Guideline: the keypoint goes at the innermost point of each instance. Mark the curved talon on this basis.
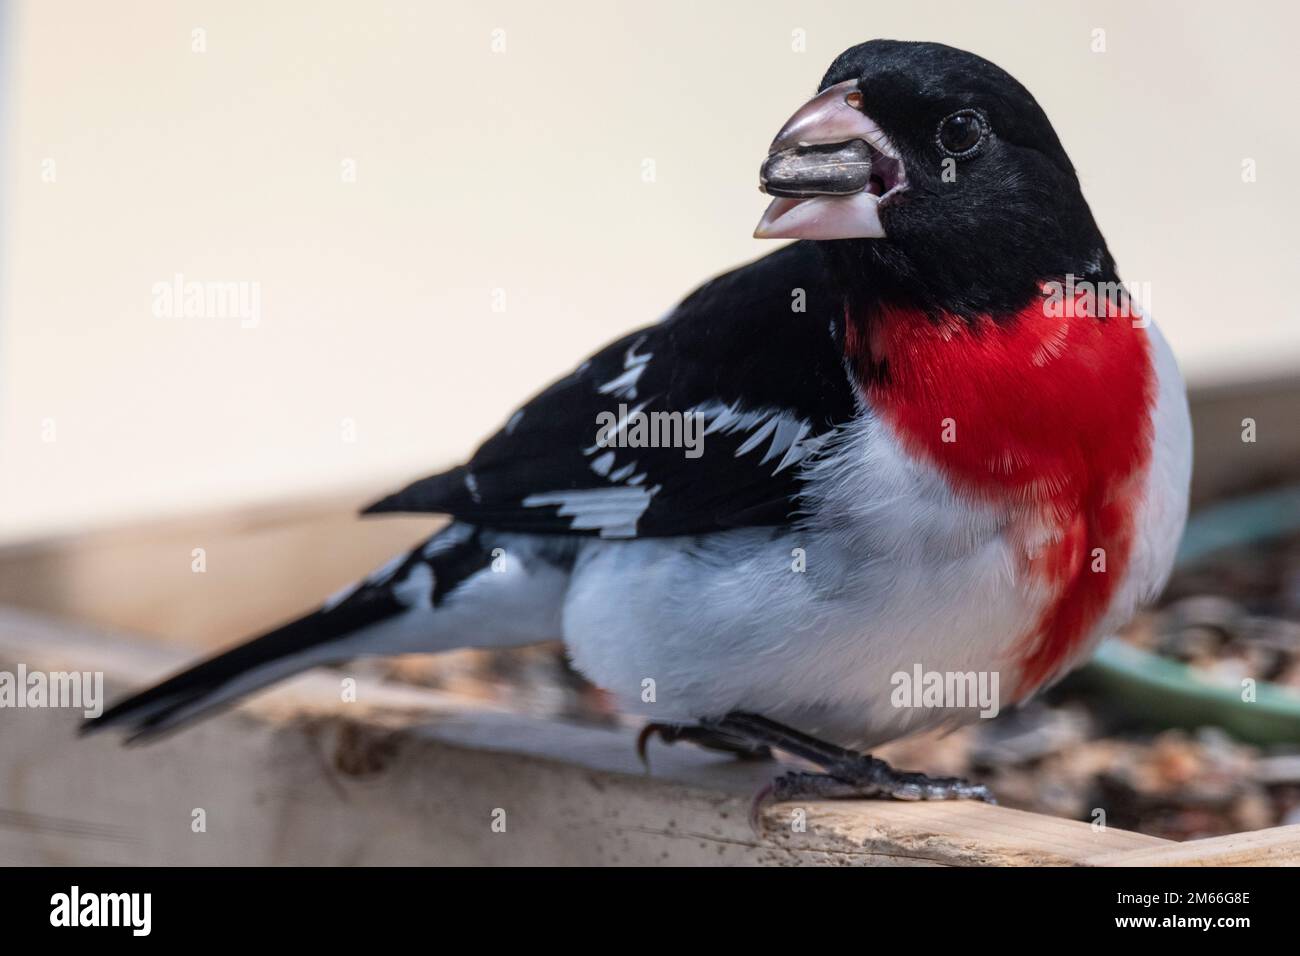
(643, 739)
(798, 785)
(758, 805)
(667, 734)
(704, 736)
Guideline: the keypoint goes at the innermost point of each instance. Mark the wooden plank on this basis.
(406, 776)
(1276, 846)
(1224, 464)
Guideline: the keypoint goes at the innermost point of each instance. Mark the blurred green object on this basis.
(1168, 693)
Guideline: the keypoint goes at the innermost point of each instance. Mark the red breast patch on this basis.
(1047, 410)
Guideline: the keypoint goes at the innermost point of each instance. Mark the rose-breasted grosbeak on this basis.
(935, 434)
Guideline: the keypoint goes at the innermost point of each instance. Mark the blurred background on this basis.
(427, 211)
(444, 205)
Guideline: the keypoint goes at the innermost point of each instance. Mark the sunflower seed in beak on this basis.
(827, 169)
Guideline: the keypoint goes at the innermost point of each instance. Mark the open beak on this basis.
(829, 169)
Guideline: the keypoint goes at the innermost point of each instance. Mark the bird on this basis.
(935, 434)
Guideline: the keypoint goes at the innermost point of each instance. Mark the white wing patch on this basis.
(613, 511)
(456, 534)
(471, 485)
(783, 439)
(788, 433)
(624, 385)
(416, 589)
(623, 472)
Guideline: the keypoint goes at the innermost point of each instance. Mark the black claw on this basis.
(665, 732)
(797, 785)
(703, 736)
(758, 805)
(642, 739)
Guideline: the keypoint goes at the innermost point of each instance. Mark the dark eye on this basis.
(962, 133)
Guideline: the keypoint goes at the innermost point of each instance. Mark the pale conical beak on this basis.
(829, 169)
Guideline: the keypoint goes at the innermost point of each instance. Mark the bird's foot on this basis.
(701, 736)
(848, 774)
(863, 778)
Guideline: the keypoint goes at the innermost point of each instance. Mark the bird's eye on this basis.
(962, 133)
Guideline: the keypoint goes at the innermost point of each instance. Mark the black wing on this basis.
(736, 365)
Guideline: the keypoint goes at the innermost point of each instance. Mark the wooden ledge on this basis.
(408, 776)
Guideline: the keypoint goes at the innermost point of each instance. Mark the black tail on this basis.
(222, 679)
(318, 638)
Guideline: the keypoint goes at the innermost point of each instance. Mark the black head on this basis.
(972, 201)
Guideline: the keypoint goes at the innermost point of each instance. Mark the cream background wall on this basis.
(378, 353)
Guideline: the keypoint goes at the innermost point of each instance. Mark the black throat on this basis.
(995, 280)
